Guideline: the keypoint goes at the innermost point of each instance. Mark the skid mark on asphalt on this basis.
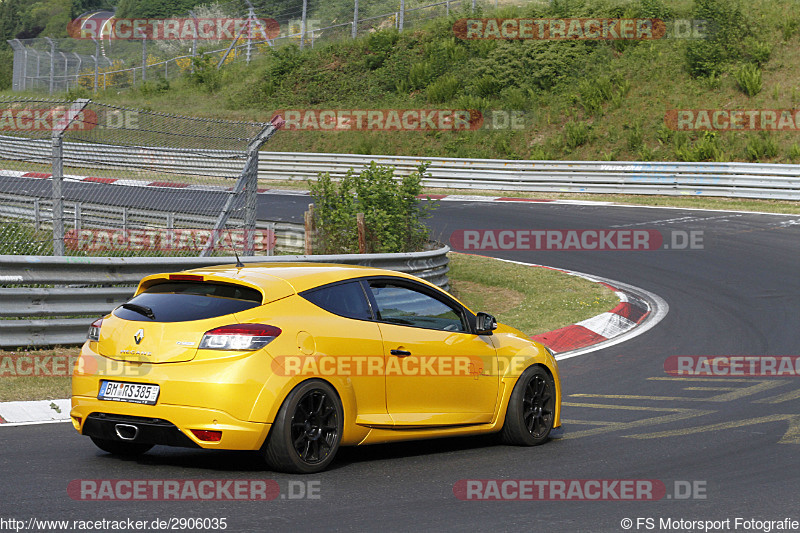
(712, 390)
(678, 220)
(792, 435)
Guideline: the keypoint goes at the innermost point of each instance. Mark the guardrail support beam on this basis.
(248, 180)
(58, 173)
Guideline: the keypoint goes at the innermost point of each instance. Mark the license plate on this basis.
(129, 392)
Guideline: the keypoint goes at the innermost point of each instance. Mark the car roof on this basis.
(300, 275)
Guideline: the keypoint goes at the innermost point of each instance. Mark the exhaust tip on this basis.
(126, 431)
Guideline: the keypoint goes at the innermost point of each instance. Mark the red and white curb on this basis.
(637, 311)
(37, 412)
(629, 313)
(291, 192)
(140, 183)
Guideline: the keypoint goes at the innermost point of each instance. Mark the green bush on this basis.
(748, 77)
(443, 90)
(706, 148)
(393, 215)
(728, 29)
(760, 147)
(759, 52)
(794, 152)
(576, 134)
(205, 74)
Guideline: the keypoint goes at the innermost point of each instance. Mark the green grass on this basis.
(534, 300)
(582, 100)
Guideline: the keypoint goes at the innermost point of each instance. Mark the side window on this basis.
(343, 299)
(405, 306)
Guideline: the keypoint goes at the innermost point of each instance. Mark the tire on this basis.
(122, 448)
(307, 431)
(531, 409)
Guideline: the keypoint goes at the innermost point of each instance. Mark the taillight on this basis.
(94, 330)
(207, 435)
(242, 337)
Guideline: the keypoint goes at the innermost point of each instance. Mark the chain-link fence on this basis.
(84, 178)
(101, 61)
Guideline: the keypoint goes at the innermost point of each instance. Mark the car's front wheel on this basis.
(126, 449)
(306, 433)
(531, 409)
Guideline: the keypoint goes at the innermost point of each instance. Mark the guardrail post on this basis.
(37, 221)
(77, 217)
(248, 177)
(58, 173)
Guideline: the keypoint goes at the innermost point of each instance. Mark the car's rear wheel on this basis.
(531, 409)
(116, 447)
(306, 433)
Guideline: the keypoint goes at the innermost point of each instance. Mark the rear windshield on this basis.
(181, 301)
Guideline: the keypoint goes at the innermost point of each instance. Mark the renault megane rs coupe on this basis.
(298, 359)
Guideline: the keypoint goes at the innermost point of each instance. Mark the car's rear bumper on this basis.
(169, 425)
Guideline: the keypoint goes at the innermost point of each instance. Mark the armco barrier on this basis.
(736, 180)
(40, 293)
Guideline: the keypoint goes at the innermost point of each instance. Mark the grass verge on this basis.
(534, 300)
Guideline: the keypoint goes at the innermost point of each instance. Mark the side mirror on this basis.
(485, 324)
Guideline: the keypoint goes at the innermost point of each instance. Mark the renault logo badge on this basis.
(139, 336)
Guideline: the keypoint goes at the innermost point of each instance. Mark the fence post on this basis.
(362, 233)
(52, 62)
(402, 14)
(355, 19)
(250, 202)
(249, 173)
(96, 61)
(144, 59)
(473, 5)
(58, 173)
(303, 24)
(194, 43)
(308, 230)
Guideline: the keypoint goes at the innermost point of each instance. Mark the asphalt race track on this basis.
(735, 441)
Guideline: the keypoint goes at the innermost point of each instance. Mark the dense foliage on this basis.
(393, 215)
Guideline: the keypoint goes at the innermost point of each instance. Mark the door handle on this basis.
(401, 353)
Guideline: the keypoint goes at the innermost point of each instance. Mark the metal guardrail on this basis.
(289, 237)
(736, 180)
(39, 294)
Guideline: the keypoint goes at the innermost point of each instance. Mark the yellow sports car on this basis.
(297, 359)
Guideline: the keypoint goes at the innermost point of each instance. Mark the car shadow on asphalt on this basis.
(251, 461)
